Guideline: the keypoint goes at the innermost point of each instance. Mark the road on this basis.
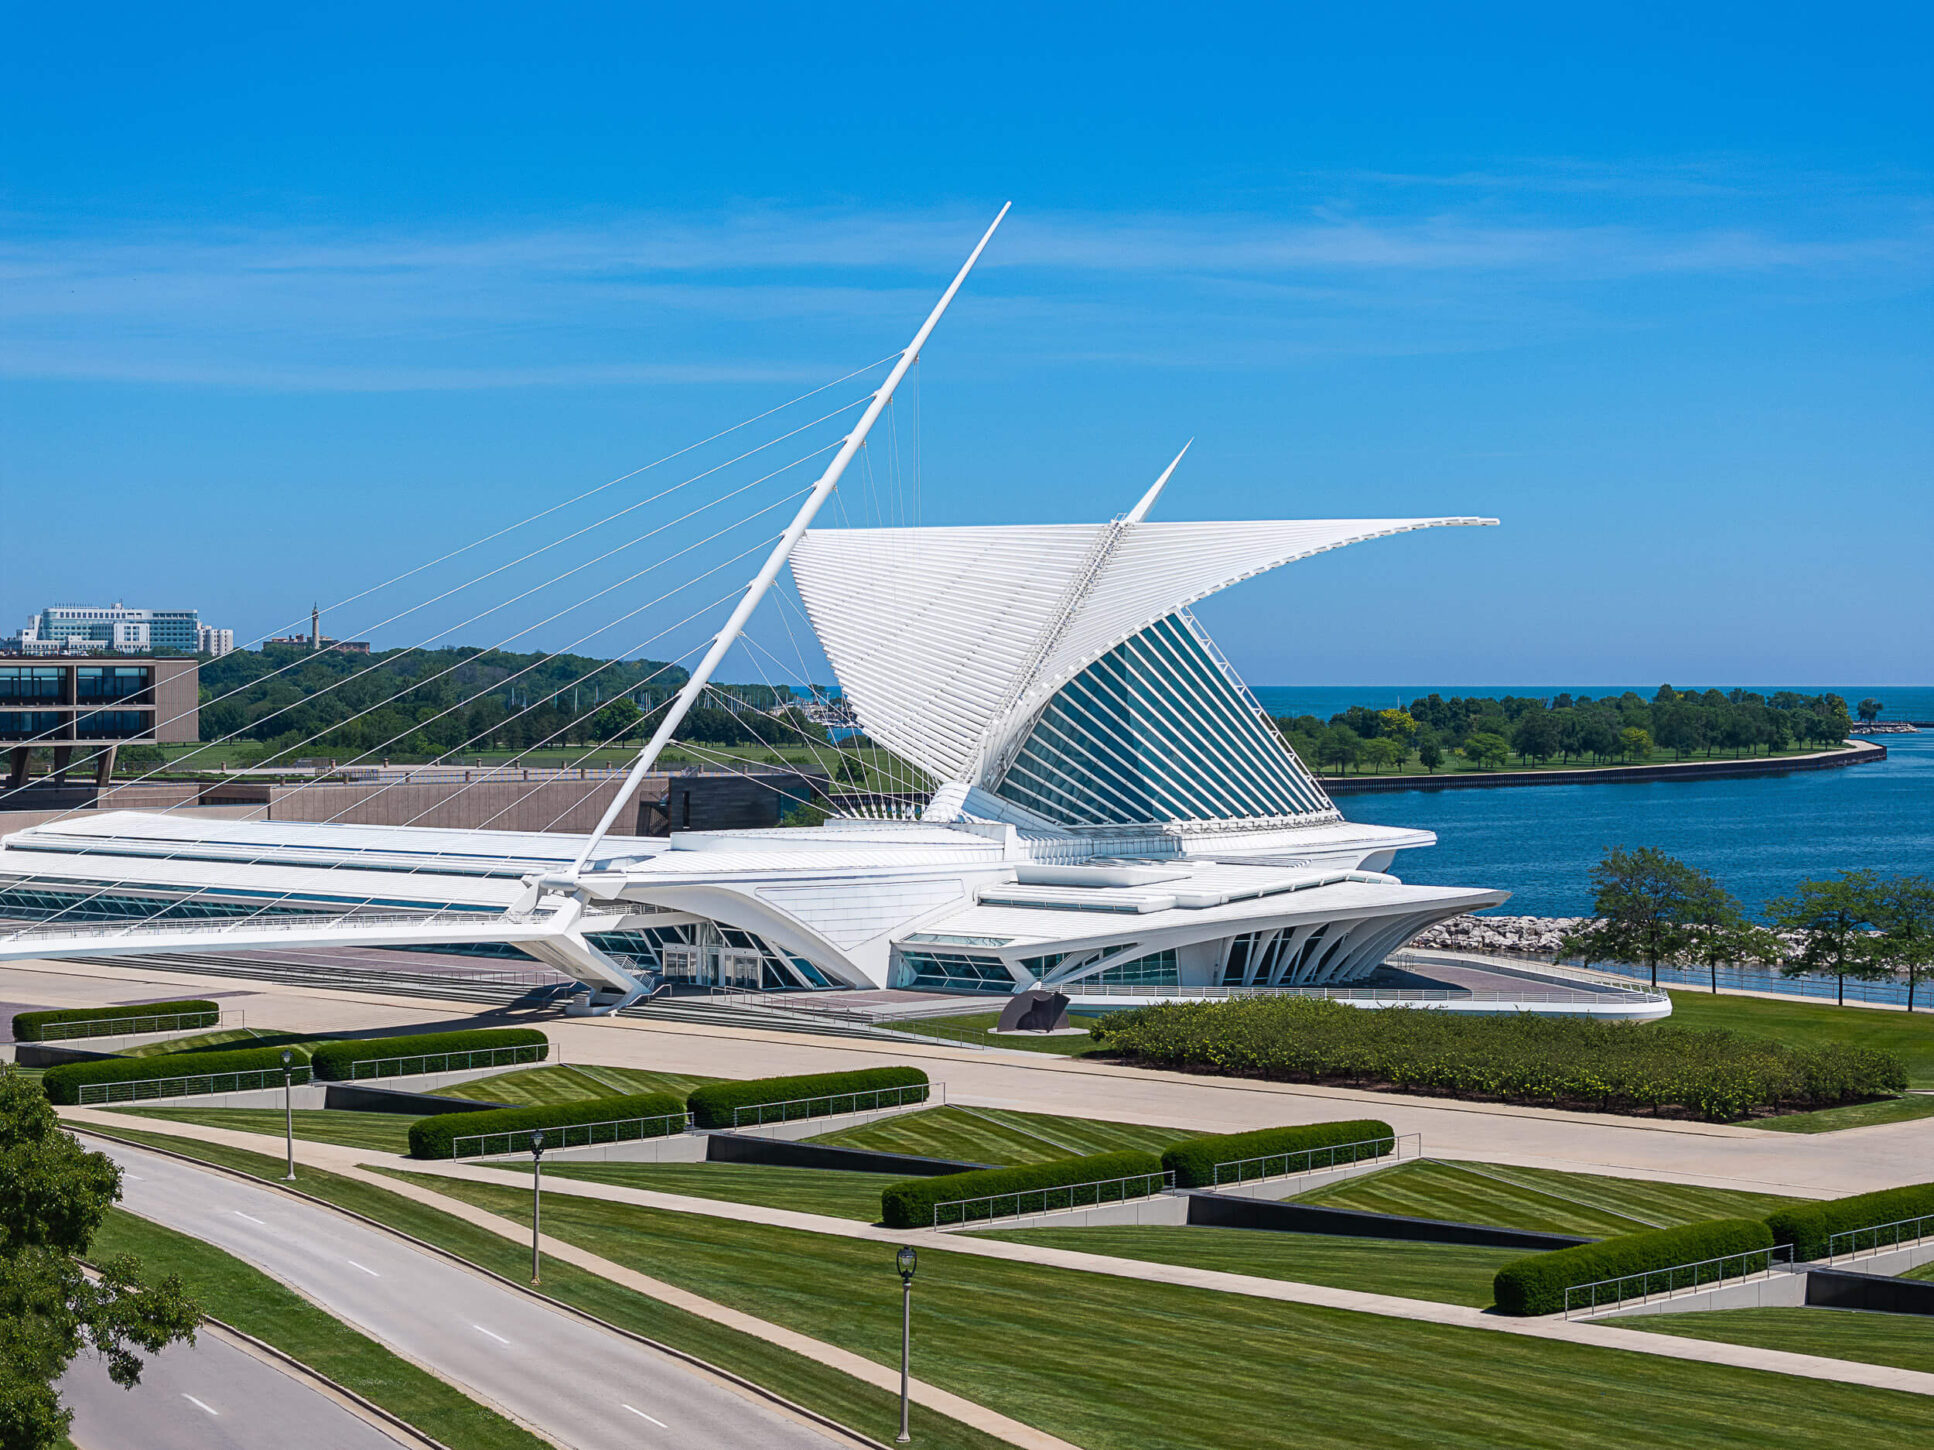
(582, 1386)
(214, 1396)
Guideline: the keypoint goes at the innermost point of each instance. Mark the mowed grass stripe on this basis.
(1447, 1273)
(1123, 1364)
(1000, 1135)
(1903, 1340)
(384, 1132)
(562, 1083)
(830, 1191)
(1809, 1024)
(1543, 1200)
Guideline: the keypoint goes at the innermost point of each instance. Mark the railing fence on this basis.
(570, 1135)
(866, 1101)
(1317, 1160)
(1027, 1202)
(1680, 1279)
(149, 1089)
(1864, 1242)
(135, 1026)
(446, 1061)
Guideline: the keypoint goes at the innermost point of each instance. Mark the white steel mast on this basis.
(756, 590)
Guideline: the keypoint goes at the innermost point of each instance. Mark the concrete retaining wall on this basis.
(1779, 1290)
(1839, 1289)
(1220, 1210)
(781, 1153)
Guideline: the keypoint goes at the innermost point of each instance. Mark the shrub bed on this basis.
(1547, 1061)
(435, 1137)
(1194, 1161)
(715, 1104)
(1810, 1226)
(337, 1060)
(62, 1084)
(1537, 1284)
(33, 1026)
(911, 1204)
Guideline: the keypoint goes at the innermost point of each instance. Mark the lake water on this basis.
(1760, 835)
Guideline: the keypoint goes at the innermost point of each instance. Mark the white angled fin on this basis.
(1140, 511)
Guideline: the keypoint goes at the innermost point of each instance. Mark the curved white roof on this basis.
(943, 637)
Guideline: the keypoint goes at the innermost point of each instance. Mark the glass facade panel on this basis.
(29, 724)
(1152, 731)
(111, 724)
(110, 683)
(1157, 969)
(29, 684)
(951, 972)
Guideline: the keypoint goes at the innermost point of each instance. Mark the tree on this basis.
(616, 721)
(1535, 736)
(1381, 752)
(1870, 709)
(1720, 935)
(1396, 726)
(1430, 751)
(1832, 919)
(1635, 743)
(1339, 746)
(1645, 901)
(1487, 750)
(1902, 911)
(55, 1196)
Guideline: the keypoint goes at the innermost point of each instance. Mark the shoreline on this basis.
(1855, 752)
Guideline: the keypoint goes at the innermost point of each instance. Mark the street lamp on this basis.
(906, 1260)
(288, 1110)
(537, 1180)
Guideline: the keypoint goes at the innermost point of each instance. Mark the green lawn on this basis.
(830, 1191)
(558, 1083)
(385, 1132)
(1112, 1363)
(1806, 1024)
(219, 1037)
(231, 1291)
(1538, 1199)
(1857, 1115)
(876, 1412)
(1925, 1271)
(999, 1135)
(1903, 1340)
(1449, 1273)
(972, 1028)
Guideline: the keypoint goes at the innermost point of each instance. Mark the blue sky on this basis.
(293, 302)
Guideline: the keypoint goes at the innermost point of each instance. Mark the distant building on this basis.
(68, 629)
(316, 640)
(59, 704)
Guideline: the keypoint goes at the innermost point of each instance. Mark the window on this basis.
(951, 972)
(1157, 969)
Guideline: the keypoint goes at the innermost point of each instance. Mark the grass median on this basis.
(831, 1191)
(1905, 1341)
(562, 1083)
(385, 1132)
(1909, 1035)
(1000, 1136)
(1114, 1363)
(830, 1392)
(231, 1291)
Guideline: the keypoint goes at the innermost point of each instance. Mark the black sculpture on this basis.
(1035, 1010)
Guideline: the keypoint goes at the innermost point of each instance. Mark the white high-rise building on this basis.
(116, 628)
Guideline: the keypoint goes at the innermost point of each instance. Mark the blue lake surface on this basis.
(1760, 835)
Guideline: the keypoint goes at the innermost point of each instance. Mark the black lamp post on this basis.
(288, 1110)
(537, 1182)
(906, 1260)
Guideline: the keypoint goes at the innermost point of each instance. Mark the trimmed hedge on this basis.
(713, 1105)
(1536, 1285)
(32, 1026)
(1194, 1160)
(434, 1137)
(1567, 1062)
(911, 1204)
(1810, 1226)
(62, 1084)
(335, 1060)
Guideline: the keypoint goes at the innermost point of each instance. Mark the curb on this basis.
(737, 1381)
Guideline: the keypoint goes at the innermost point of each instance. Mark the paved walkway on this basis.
(1599, 1335)
(1799, 1165)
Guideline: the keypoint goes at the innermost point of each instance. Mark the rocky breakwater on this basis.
(1518, 936)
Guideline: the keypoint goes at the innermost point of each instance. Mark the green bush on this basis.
(1537, 1284)
(911, 1204)
(714, 1105)
(1810, 1226)
(336, 1060)
(1549, 1061)
(32, 1026)
(435, 1137)
(62, 1084)
(1194, 1160)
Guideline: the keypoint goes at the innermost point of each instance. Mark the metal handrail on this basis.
(130, 1026)
(571, 1135)
(900, 1097)
(144, 1089)
(216, 926)
(1147, 1185)
(1607, 1294)
(1923, 1230)
(493, 1057)
(1389, 1148)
